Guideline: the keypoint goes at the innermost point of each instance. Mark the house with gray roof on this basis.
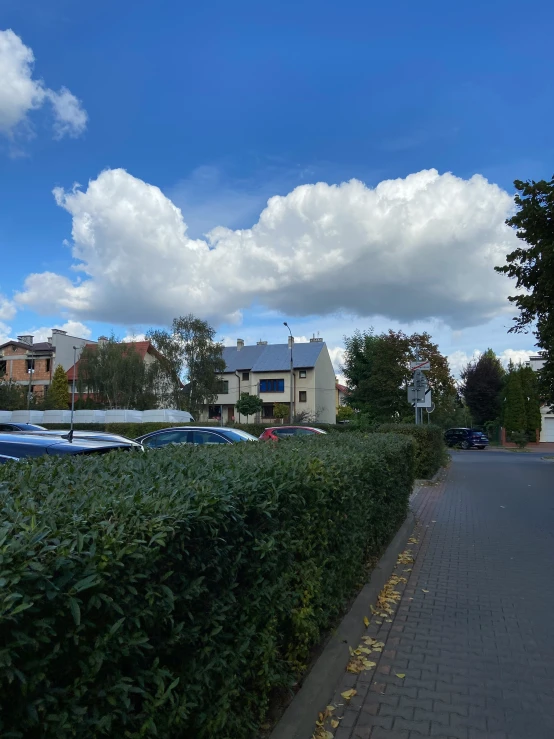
(265, 370)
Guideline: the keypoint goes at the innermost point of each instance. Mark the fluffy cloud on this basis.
(73, 328)
(7, 309)
(459, 359)
(409, 249)
(20, 93)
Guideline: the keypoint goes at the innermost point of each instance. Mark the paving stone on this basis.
(476, 650)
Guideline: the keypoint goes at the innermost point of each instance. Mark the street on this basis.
(469, 652)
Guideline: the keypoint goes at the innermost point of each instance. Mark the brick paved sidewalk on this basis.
(459, 660)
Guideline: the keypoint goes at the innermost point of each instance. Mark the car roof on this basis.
(100, 435)
(276, 428)
(34, 441)
(185, 428)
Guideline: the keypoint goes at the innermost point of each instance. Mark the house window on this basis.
(267, 411)
(215, 411)
(224, 387)
(3, 367)
(246, 376)
(272, 386)
(48, 365)
(30, 365)
(302, 374)
(302, 396)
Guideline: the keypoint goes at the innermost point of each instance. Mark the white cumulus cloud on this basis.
(21, 93)
(409, 249)
(458, 360)
(73, 328)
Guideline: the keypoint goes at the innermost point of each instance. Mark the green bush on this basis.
(430, 449)
(169, 593)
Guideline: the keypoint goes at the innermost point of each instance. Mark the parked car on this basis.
(466, 438)
(4, 458)
(101, 435)
(287, 432)
(6, 428)
(19, 446)
(194, 435)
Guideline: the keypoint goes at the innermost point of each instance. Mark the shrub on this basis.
(430, 452)
(168, 593)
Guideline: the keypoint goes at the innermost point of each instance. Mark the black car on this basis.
(94, 435)
(20, 446)
(466, 438)
(194, 435)
(7, 428)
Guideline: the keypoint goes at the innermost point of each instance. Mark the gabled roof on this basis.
(342, 388)
(41, 346)
(271, 357)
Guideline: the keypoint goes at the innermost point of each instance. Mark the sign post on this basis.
(419, 393)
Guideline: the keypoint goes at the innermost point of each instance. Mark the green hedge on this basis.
(169, 593)
(430, 453)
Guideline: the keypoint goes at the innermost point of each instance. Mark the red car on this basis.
(288, 432)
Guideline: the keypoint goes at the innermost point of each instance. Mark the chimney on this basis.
(261, 343)
(26, 339)
(315, 340)
(291, 341)
(240, 344)
(102, 340)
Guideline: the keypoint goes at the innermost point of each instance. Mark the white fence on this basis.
(165, 415)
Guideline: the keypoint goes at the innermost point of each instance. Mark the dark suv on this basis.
(466, 438)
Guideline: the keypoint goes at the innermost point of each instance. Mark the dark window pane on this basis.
(207, 437)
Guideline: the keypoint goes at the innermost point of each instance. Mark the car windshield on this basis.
(236, 435)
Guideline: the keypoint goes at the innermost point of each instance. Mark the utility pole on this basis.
(73, 390)
(291, 373)
(31, 359)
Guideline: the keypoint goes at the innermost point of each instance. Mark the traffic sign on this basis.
(426, 401)
(420, 364)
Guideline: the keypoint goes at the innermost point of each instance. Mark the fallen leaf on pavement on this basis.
(366, 621)
(334, 723)
(424, 591)
(349, 694)
(401, 675)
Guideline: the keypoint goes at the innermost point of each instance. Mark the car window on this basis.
(237, 435)
(168, 437)
(304, 432)
(5, 428)
(284, 433)
(208, 437)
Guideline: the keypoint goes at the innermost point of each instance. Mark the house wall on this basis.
(325, 387)
(16, 368)
(63, 345)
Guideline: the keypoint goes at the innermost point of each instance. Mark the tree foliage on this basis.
(531, 398)
(190, 352)
(12, 396)
(513, 412)
(116, 375)
(281, 410)
(345, 413)
(249, 405)
(57, 397)
(482, 383)
(532, 266)
(377, 370)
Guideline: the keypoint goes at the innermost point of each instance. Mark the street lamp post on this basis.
(291, 373)
(73, 389)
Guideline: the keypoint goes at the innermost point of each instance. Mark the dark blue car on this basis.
(466, 438)
(21, 446)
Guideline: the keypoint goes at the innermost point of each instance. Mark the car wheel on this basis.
(464, 445)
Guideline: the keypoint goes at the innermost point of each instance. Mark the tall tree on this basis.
(57, 397)
(377, 369)
(482, 382)
(531, 398)
(513, 411)
(532, 266)
(116, 374)
(191, 353)
(13, 397)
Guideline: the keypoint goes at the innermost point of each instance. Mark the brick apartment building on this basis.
(33, 364)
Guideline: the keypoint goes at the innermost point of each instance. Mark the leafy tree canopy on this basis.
(249, 405)
(532, 267)
(482, 383)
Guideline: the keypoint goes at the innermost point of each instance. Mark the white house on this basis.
(536, 363)
(264, 370)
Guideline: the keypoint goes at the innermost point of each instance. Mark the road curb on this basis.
(299, 719)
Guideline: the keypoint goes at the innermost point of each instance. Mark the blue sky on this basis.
(222, 106)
